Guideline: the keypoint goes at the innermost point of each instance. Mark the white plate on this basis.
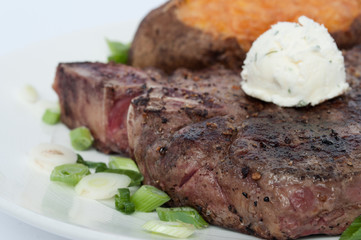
(29, 195)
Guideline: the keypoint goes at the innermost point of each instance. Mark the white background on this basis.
(24, 22)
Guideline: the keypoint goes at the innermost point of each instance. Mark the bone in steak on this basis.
(277, 173)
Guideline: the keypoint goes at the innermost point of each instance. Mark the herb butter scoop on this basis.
(294, 64)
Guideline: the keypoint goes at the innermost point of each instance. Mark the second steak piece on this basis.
(97, 96)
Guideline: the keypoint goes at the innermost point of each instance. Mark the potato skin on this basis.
(349, 38)
(165, 42)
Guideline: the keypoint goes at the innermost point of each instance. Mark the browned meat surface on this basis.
(259, 169)
(277, 173)
(97, 96)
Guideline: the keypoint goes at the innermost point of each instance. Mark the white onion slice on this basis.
(46, 156)
(173, 229)
(101, 185)
(29, 94)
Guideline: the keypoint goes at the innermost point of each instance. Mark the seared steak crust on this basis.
(260, 169)
(277, 173)
(97, 96)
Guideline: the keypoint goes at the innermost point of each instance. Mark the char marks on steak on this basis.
(244, 164)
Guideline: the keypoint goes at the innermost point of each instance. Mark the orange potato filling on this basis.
(247, 19)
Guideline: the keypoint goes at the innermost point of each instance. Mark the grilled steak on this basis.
(277, 173)
(97, 96)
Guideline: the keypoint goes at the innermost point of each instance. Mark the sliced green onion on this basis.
(81, 138)
(29, 94)
(101, 185)
(124, 194)
(173, 229)
(133, 189)
(123, 163)
(90, 164)
(183, 214)
(353, 232)
(136, 177)
(119, 51)
(122, 201)
(127, 207)
(51, 116)
(47, 156)
(148, 198)
(101, 169)
(70, 174)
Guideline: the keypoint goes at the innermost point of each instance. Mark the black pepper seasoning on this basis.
(245, 171)
(163, 150)
(164, 120)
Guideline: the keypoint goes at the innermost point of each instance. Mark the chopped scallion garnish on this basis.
(122, 201)
(101, 185)
(122, 163)
(136, 177)
(29, 94)
(353, 232)
(70, 174)
(47, 156)
(90, 164)
(51, 116)
(183, 214)
(81, 138)
(124, 194)
(147, 198)
(119, 51)
(173, 229)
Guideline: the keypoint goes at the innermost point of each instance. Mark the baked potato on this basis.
(198, 33)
